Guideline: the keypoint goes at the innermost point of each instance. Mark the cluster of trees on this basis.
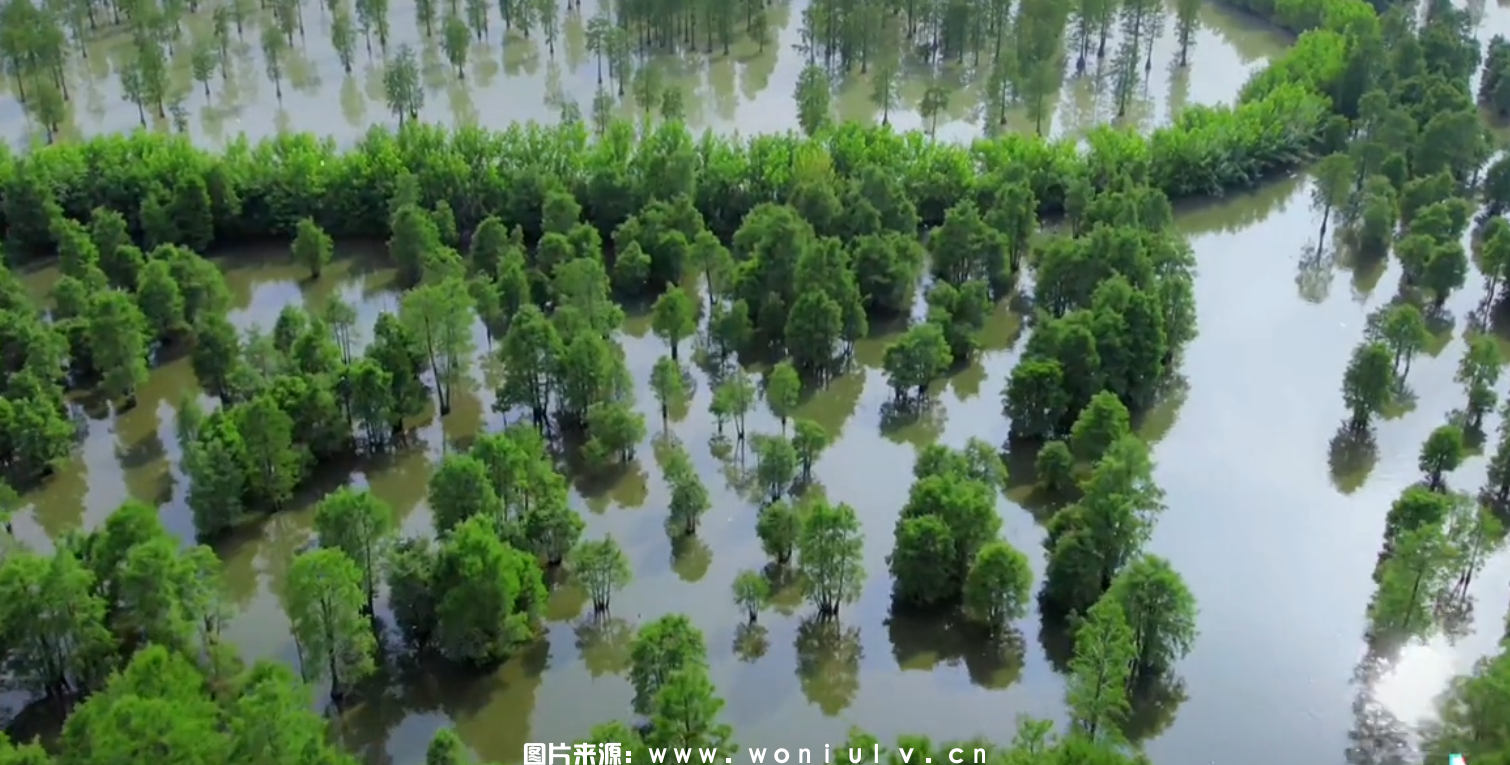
(1115, 304)
(1405, 183)
(948, 548)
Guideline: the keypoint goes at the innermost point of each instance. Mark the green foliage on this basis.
(663, 649)
(601, 567)
(488, 595)
(830, 550)
(997, 585)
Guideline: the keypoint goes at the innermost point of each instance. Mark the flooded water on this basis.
(1275, 542)
(517, 79)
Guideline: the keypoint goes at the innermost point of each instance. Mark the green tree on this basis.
(216, 464)
(917, 577)
(274, 51)
(783, 390)
(830, 555)
(363, 527)
(775, 465)
(997, 586)
(439, 316)
(1368, 383)
(1441, 454)
(461, 489)
(489, 595)
(779, 527)
(1104, 422)
(661, 650)
(751, 593)
(812, 97)
(674, 317)
(1055, 465)
(1160, 611)
(668, 384)
(689, 501)
(810, 440)
(601, 568)
(402, 88)
(1403, 329)
(312, 247)
(686, 713)
(1097, 688)
(343, 38)
(915, 360)
(117, 334)
(732, 400)
(1478, 373)
(325, 601)
(275, 465)
(455, 40)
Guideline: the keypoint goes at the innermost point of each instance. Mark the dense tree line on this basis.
(1405, 184)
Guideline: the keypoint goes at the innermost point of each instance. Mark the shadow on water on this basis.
(926, 641)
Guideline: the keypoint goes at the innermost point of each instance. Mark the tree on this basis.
(1097, 688)
(1160, 611)
(325, 607)
(674, 317)
(275, 465)
(751, 593)
(830, 555)
(783, 389)
(812, 97)
(686, 713)
(809, 440)
(917, 577)
(402, 87)
(274, 48)
(203, 61)
(998, 585)
(689, 500)
(489, 595)
(779, 527)
(363, 527)
(440, 318)
(455, 40)
(1055, 465)
(312, 247)
(461, 489)
(1368, 383)
(1478, 373)
(935, 102)
(1102, 423)
(915, 360)
(661, 650)
(1441, 454)
(668, 384)
(117, 334)
(1332, 186)
(160, 299)
(1411, 583)
(602, 568)
(733, 399)
(216, 464)
(1403, 329)
(775, 465)
(343, 38)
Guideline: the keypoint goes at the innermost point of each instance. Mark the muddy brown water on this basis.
(1275, 543)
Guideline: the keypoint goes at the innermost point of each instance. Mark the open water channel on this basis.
(1276, 544)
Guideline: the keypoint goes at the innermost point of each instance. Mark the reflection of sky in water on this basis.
(1409, 689)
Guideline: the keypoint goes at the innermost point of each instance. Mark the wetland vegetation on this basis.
(482, 436)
